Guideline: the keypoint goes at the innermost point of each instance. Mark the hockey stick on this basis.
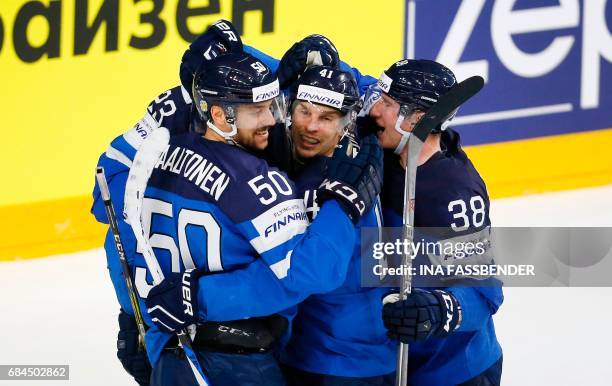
(125, 268)
(436, 115)
(142, 167)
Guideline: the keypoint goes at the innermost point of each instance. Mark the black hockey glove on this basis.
(366, 126)
(354, 182)
(295, 60)
(423, 315)
(134, 360)
(220, 38)
(172, 304)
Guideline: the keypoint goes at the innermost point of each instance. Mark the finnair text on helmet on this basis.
(266, 92)
(319, 99)
(320, 95)
(384, 82)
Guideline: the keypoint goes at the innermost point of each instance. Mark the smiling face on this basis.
(315, 129)
(253, 122)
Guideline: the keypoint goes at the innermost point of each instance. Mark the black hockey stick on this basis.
(439, 113)
(125, 268)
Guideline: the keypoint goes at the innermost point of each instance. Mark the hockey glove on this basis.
(370, 98)
(366, 126)
(423, 315)
(296, 59)
(134, 360)
(354, 182)
(220, 38)
(172, 304)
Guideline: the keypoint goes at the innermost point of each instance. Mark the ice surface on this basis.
(62, 309)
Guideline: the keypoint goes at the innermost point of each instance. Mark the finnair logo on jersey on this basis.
(286, 220)
(384, 82)
(266, 92)
(320, 95)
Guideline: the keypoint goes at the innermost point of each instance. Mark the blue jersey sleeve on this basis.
(170, 109)
(478, 304)
(267, 59)
(317, 263)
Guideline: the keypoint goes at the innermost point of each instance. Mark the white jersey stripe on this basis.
(118, 156)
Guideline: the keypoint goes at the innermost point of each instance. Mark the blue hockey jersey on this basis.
(341, 332)
(450, 195)
(337, 330)
(173, 110)
(217, 207)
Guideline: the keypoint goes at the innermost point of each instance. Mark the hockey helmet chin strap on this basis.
(384, 84)
(231, 120)
(404, 111)
(228, 136)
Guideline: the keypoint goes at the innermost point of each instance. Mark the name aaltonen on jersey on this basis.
(198, 170)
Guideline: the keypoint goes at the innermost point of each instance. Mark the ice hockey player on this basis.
(450, 330)
(338, 336)
(175, 110)
(211, 185)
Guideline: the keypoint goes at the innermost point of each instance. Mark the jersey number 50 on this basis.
(186, 217)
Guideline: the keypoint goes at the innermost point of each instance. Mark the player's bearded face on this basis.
(253, 122)
(315, 129)
(385, 112)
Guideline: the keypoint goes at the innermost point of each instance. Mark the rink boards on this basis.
(542, 123)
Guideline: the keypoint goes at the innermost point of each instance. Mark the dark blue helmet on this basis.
(233, 78)
(328, 86)
(417, 83)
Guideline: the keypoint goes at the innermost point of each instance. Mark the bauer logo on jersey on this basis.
(266, 92)
(384, 82)
(320, 95)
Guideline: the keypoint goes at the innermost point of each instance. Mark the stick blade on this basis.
(446, 105)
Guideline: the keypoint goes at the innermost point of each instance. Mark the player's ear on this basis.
(218, 116)
(411, 120)
(417, 115)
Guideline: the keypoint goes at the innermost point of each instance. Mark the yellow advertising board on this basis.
(77, 73)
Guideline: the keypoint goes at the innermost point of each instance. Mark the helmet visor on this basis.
(254, 116)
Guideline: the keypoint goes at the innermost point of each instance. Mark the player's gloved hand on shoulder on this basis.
(423, 315)
(353, 181)
(371, 96)
(301, 55)
(220, 38)
(133, 358)
(173, 303)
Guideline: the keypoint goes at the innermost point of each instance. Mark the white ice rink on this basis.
(62, 310)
